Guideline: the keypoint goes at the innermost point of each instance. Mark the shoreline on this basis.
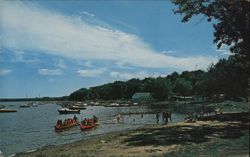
(160, 140)
(85, 140)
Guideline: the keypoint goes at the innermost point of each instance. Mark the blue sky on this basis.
(51, 48)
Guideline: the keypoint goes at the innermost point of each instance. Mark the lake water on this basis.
(31, 128)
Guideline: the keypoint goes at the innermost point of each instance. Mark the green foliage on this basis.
(133, 86)
(230, 20)
(161, 88)
(183, 87)
(83, 94)
(226, 77)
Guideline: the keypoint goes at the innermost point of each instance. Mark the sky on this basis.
(52, 48)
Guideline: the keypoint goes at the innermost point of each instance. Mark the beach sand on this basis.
(202, 138)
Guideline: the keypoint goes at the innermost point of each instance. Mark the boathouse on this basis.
(142, 97)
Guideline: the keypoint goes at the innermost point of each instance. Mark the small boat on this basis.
(2, 106)
(113, 105)
(34, 105)
(85, 127)
(89, 123)
(7, 110)
(68, 123)
(77, 108)
(24, 106)
(68, 111)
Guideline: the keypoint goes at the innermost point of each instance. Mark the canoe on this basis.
(85, 127)
(7, 110)
(63, 127)
(68, 111)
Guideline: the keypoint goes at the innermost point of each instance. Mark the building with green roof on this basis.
(142, 97)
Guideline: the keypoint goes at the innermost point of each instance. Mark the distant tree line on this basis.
(226, 77)
(63, 98)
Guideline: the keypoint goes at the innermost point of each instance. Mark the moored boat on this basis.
(7, 110)
(68, 111)
(113, 105)
(68, 123)
(2, 106)
(77, 108)
(24, 106)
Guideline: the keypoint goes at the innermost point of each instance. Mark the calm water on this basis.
(31, 128)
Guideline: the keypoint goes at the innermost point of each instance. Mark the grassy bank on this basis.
(203, 138)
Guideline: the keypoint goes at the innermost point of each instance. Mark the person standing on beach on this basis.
(170, 116)
(163, 117)
(157, 117)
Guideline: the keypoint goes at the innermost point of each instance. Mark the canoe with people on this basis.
(67, 123)
(89, 123)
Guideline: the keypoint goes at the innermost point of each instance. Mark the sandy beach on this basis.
(224, 136)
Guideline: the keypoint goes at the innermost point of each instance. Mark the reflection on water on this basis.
(33, 127)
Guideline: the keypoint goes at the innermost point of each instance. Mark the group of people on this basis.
(166, 117)
(86, 121)
(90, 121)
(191, 117)
(67, 121)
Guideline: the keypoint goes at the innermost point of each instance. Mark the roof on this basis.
(146, 94)
(182, 97)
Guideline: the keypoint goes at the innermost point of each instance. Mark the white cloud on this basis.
(127, 75)
(90, 72)
(60, 64)
(51, 80)
(86, 13)
(26, 27)
(4, 72)
(19, 57)
(168, 52)
(223, 50)
(49, 72)
(87, 64)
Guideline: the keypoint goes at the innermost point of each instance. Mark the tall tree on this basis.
(161, 89)
(133, 86)
(230, 20)
(183, 87)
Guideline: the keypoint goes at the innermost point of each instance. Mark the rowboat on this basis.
(89, 123)
(77, 108)
(7, 110)
(29, 104)
(68, 111)
(85, 127)
(68, 123)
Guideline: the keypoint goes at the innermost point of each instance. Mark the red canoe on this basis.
(85, 127)
(60, 127)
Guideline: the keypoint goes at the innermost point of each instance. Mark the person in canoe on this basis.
(59, 122)
(75, 118)
(67, 123)
(95, 119)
